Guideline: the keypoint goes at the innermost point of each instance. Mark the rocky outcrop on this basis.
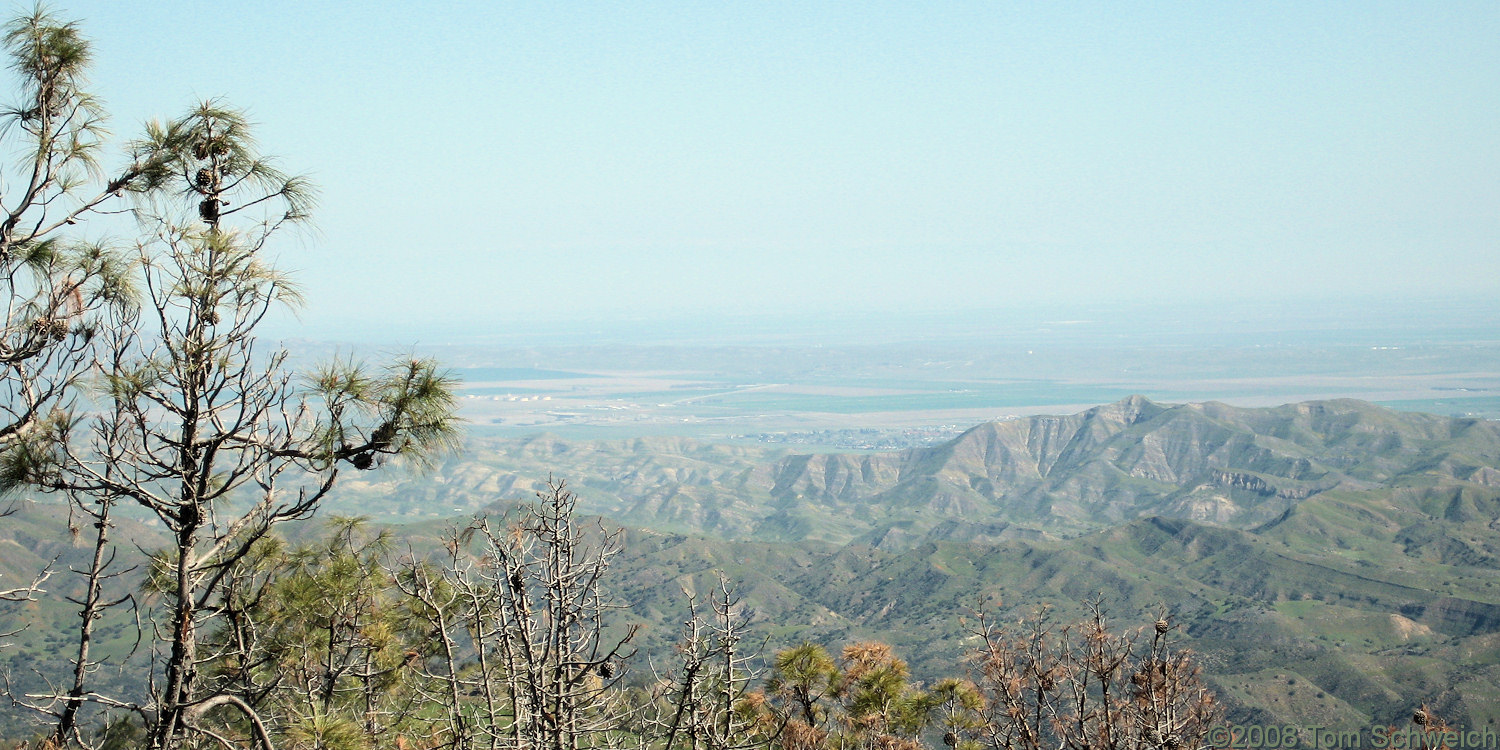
(1239, 481)
(1252, 483)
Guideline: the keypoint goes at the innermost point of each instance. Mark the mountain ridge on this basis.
(1052, 476)
(1334, 562)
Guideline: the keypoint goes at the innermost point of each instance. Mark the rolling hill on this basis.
(1037, 477)
(1334, 562)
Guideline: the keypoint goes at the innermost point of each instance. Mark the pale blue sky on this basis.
(486, 164)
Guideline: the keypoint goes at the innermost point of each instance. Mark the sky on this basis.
(490, 165)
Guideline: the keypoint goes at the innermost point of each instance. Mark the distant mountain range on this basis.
(1052, 477)
(1335, 562)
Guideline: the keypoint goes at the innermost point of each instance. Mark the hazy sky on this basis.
(492, 163)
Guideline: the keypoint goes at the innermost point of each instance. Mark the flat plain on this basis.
(943, 372)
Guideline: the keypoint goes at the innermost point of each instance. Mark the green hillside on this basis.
(1024, 478)
(1334, 562)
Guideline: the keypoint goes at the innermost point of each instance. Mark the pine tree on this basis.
(202, 426)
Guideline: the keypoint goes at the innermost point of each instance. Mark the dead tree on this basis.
(704, 702)
(96, 602)
(94, 509)
(528, 593)
(24, 593)
(29, 590)
(436, 612)
(1083, 687)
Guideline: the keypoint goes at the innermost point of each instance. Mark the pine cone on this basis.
(383, 435)
(51, 328)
